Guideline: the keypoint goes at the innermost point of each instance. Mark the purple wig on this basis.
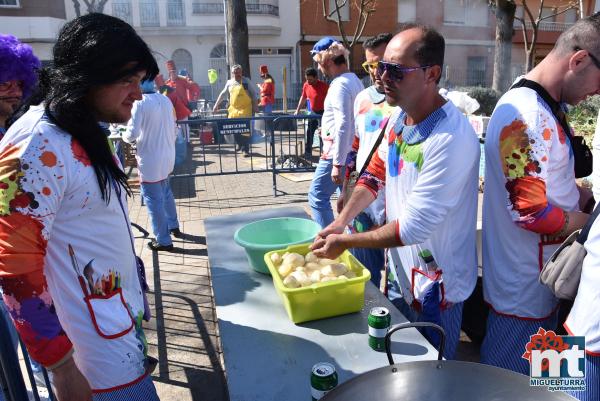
(18, 62)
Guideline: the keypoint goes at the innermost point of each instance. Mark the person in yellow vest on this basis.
(242, 103)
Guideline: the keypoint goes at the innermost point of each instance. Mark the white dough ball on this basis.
(276, 259)
(315, 276)
(291, 282)
(294, 259)
(285, 269)
(310, 257)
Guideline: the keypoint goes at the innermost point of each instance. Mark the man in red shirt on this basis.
(267, 90)
(186, 90)
(315, 91)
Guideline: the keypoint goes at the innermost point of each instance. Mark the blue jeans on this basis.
(319, 194)
(268, 108)
(158, 197)
(373, 260)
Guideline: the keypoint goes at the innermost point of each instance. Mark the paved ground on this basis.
(183, 333)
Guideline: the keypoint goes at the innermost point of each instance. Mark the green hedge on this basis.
(583, 117)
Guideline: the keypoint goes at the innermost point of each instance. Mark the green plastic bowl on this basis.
(263, 236)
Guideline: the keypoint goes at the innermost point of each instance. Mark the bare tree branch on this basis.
(77, 8)
(571, 7)
(364, 7)
(541, 9)
(367, 7)
(338, 6)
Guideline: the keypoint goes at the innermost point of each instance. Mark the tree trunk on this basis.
(505, 15)
(530, 53)
(237, 35)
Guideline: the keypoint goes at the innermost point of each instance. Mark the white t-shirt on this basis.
(152, 127)
(338, 117)
(596, 154)
(584, 318)
(65, 210)
(529, 177)
(371, 111)
(431, 189)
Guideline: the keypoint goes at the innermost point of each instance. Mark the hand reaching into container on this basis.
(329, 247)
(326, 244)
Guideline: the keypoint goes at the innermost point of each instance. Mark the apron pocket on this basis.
(109, 314)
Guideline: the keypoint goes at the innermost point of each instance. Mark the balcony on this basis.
(122, 10)
(261, 8)
(175, 13)
(149, 13)
(546, 26)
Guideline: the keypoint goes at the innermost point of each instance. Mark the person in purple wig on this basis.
(18, 76)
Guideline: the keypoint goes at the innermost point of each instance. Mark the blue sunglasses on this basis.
(396, 71)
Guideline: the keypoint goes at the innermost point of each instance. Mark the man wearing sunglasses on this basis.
(336, 126)
(18, 76)
(531, 200)
(428, 163)
(371, 111)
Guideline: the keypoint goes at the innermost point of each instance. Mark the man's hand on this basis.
(333, 228)
(69, 384)
(330, 247)
(336, 175)
(585, 199)
(340, 203)
(296, 112)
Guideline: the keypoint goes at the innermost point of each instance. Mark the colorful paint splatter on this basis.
(523, 160)
(49, 199)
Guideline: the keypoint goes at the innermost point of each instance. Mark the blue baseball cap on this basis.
(147, 86)
(323, 44)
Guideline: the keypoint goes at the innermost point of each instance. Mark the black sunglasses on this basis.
(594, 59)
(396, 71)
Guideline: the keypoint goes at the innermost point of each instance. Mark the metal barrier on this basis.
(12, 383)
(275, 143)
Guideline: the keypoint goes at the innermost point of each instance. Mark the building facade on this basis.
(282, 32)
(467, 25)
(192, 33)
(34, 22)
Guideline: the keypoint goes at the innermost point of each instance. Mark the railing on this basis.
(12, 383)
(453, 77)
(271, 143)
(175, 13)
(251, 8)
(122, 10)
(149, 13)
(546, 26)
(269, 9)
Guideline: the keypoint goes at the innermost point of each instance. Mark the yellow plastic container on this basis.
(321, 300)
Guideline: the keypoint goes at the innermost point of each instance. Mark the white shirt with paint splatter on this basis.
(50, 204)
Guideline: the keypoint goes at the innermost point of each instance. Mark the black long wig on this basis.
(91, 51)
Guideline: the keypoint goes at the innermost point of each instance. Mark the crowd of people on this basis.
(411, 211)
(403, 158)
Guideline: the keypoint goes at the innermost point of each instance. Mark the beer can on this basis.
(323, 379)
(379, 324)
